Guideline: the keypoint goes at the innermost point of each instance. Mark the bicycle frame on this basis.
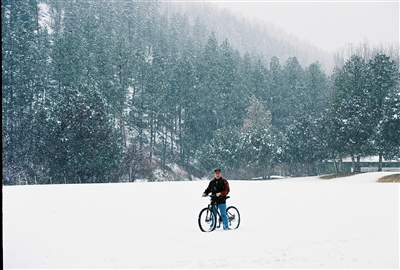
(213, 205)
(219, 217)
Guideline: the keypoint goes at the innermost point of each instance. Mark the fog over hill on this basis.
(255, 37)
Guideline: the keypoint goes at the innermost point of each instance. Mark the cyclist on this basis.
(219, 188)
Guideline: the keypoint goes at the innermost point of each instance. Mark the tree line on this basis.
(109, 91)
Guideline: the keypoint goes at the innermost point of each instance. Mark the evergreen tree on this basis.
(24, 52)
(259, 142)
(352, 115)
(383, 80)
(391, 124)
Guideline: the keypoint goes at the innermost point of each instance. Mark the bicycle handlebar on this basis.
(214, 196)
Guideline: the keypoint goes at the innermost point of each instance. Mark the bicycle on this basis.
(208, 220)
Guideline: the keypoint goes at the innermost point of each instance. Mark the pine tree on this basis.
(391, 124)
(352, 115)
(383, 81)
(259, 142)
(25, 52)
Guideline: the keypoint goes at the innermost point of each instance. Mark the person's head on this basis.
(217, 173)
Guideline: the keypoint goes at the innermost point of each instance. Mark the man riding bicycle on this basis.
(219, 188)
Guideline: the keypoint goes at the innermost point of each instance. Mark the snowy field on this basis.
(302, 222)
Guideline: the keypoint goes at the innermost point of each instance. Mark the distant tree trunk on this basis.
(172, 131)
(358, 165)
(353, 163)
(180, 135)
(269, 171)
(380, 162)
(151, 137)
(340, 164)
(310, 169)
(335, 163)
(141, 128)
(123, 131)
(164, 151)
(141, 113)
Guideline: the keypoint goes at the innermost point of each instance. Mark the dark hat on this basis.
(217, 169)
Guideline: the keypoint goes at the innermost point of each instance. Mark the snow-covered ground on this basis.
(303, 222)
(370, 177)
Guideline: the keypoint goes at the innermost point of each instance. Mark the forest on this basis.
(114, 91)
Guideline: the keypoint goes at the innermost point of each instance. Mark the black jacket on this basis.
(215, 186)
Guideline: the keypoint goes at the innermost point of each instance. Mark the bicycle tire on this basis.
(236, 216)
(203, 214)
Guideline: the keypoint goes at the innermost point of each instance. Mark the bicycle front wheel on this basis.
(233, 217)
(207, 220)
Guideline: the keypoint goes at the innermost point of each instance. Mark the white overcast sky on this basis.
(327, 24)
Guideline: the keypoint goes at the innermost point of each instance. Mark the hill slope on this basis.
(256, 37)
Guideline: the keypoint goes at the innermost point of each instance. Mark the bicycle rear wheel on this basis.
(233, 217)
(207, 220)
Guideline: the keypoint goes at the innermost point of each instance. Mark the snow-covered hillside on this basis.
(284, 224)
